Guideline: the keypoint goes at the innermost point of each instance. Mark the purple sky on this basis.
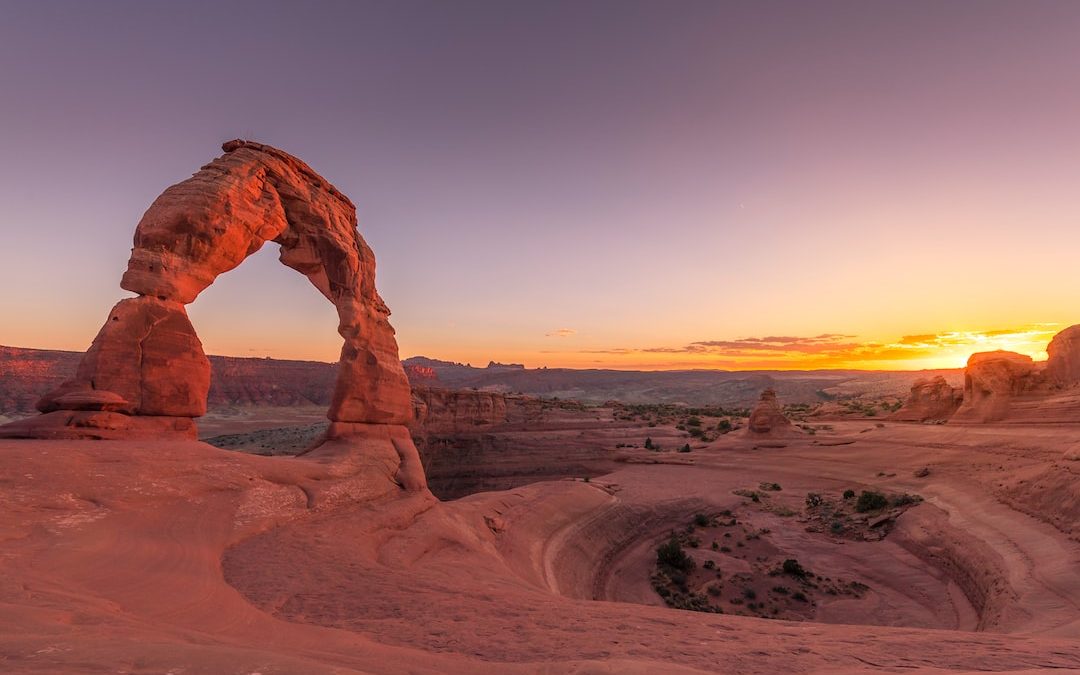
(568, 183)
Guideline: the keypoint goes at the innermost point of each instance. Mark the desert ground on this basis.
(132, 556)
(423, 529)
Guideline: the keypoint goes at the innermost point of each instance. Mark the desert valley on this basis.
(469, 521)
(727, 337)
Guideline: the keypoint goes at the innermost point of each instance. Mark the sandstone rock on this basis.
(448, 411)
(147, 355)
(766, 417)
(1063, 366)
(931, 400)
(991, 381)
(98, 425)
(147, 360)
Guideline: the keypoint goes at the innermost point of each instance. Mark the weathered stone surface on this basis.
(449, 411)
(991, 381)
(931, 400)
(1063, 366)
(100, 425)
(147, 361)
(147, 355)
(767, 417)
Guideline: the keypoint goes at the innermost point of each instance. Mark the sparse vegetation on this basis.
(871, 501)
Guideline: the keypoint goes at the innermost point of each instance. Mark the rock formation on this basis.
(766, 417)
(931, 400)
(991, 381)
(1063, 367)
(147, 365)
(449, 411)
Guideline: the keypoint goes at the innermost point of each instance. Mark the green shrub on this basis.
(871, 501)
(792, 567)
(671, 554)
(701, 520)
(849, 494)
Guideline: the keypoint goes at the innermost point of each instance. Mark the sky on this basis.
(669, 184)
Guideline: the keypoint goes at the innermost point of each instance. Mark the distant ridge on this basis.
(26, 374)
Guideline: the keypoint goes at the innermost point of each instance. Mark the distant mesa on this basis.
(931, 400)
(146, 375)
(417, 373)
(506, 366)
(767, 417)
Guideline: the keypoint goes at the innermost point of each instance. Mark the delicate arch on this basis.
(147, 359)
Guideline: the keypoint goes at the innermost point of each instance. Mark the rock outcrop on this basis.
(991, 381)
(767, 417)
(450, 411)
(931, 400)
(147, 364)
(1063, 366)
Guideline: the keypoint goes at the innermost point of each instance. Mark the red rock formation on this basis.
(448, 411)
(417, 373)
(1063, 367)
(147, 361)
(931, 400)
(767, 417)
(991, 382)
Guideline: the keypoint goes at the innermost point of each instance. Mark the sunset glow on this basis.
(750, 191)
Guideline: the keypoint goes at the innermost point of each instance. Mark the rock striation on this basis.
(931, 400)
(767, 417)
(147, 364)
(449, 411)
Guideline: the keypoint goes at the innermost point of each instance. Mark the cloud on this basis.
(838, 350)
(562, 333)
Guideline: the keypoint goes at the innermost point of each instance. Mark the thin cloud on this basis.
(839, 349)
(561, 333)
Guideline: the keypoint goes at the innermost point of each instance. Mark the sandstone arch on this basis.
(146, 372)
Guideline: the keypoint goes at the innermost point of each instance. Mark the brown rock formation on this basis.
(766, 417)
(931, 400)
(991, 382)
(147, 361)
(449, 411)
(1063, 367)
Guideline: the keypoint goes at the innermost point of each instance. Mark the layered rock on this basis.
(450, 411)
(147, 363)
(767, 417)
(931, 400)
(992, 381)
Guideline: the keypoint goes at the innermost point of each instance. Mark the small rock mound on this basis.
(767, 417)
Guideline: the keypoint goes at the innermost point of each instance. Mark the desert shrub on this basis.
(870, 501)
(749, 593)
(849, 494)
(724, 426)
(671, 554)
(813, 499)
(781, 590)
(800, 596)
(709, 565)
(685, 448)
(693, 422)
(648, 443)
(701, 520)
(905, 499)
(771, 487)
(836, 527)
(792, 567)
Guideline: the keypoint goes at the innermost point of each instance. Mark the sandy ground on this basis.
(181, 557)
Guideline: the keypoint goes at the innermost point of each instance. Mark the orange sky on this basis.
(729, 185)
